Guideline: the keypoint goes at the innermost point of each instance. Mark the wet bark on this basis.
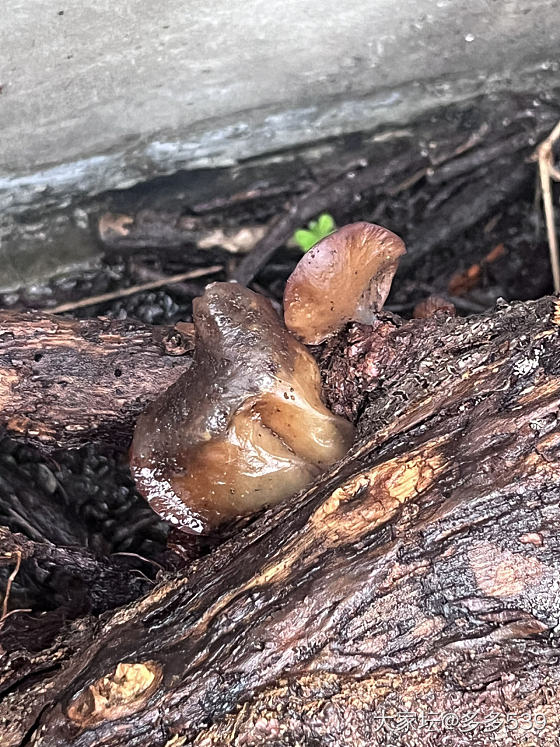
(79, 581)
(409, 597)
(65, 382)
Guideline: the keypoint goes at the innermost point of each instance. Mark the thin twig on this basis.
(552, 138)
(123, 292)
(146, 275)
(14, 612)
(140, 557)
(140, 574)
(550, 222)
(547, 171)
(473, 140)
(478, 157)
(410, 181)
(9, 583)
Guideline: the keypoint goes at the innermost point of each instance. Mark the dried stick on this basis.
(547, 171)
(123, 292)
(14, 612)
(146, 275)
(9, 583)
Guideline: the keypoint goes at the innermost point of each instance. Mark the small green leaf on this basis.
(316, 230)
(305, 239)
(325, 224)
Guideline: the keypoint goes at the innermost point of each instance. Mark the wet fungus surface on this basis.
(244, 427)
(345, 277)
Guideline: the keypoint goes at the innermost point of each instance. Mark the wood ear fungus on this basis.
(344, 277)
(244, 427)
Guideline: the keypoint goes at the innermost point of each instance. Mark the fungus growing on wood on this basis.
(345, 277)
(244, 427)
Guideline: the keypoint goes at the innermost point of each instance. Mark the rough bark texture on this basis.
(80, 582)
(411, 597)
(64, 382)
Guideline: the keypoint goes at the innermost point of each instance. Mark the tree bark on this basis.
(64, 382)
(80, 581)
(410, 597)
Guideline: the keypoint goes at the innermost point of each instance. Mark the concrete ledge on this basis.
(101, 97)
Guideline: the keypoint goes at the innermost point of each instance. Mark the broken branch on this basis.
(65, 382)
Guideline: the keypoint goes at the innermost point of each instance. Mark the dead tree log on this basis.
(81, 581)
(65, 382)
(409, 597)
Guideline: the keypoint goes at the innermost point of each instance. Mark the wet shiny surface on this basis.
(344, 277)
(245, 427)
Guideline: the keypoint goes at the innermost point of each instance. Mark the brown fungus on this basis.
(344, 277)
(244, 427)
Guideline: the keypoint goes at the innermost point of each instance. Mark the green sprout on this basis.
(316, 230)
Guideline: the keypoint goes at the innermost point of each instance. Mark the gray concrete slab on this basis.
(102, 95)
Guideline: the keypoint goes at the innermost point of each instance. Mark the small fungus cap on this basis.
(344, 277)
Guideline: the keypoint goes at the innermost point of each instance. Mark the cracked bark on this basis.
(419, 577)
(64, 382)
